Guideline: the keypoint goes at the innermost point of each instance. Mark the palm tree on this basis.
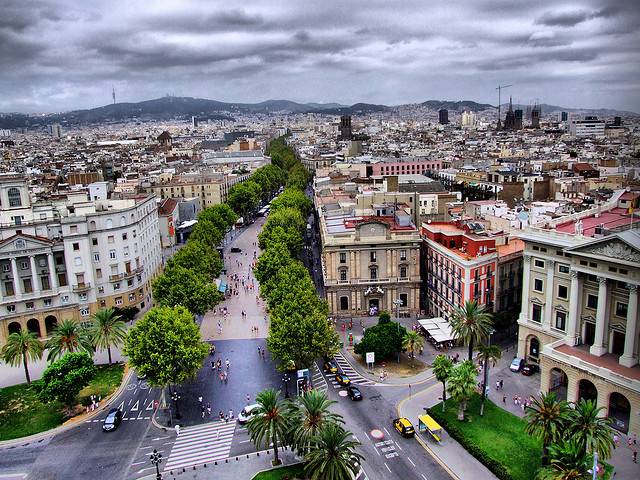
(488, 354)
(471, 323)
(68, 336)
(547, 419)
(21, 347)
(269, 425)
(307, 415)
(442, 366)
(333, 456)
(108, 329)
(568, 462)
(591, 431)
(412, 342)
(462, 384)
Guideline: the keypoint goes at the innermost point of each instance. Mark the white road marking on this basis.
(411, 462)
(136, 406)
(385, 429)
(422, 474)
(385, 464)
(399, 447)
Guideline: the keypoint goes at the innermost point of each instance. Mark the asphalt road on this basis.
(85, 451)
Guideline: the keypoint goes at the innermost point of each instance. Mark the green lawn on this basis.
(291, 472)
(22, 413)
(499, 435)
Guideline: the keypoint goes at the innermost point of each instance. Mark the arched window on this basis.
(123, 221)
(109, 223)
(14, 197)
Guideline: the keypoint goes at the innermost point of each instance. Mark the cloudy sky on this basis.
(57, 55)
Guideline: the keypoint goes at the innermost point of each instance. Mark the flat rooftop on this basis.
(614, 218)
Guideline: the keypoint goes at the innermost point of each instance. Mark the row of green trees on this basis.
(299, 331)
(307, 425)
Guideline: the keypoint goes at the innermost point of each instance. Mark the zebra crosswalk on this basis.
(318, 380)
(201, 444)
(353, 375)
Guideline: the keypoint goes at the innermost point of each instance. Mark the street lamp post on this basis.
(156, 459)
(285, 380)
(397, 303)
(175, 396)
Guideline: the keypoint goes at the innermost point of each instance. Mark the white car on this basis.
(247, 413)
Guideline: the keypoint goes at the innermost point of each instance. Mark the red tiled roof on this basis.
(167, 206)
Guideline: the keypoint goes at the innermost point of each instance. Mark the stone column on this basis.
(598, 347)
(35, 287)
(389, 261)
(629, 358)
(526, 273)
(53, 278)
(547, 321)
(16, 278)
(574, 308)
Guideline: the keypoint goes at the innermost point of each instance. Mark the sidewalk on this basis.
(241, 467)
(449, 453)
(74, 421)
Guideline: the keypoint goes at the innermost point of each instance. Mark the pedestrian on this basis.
(263, 355)
(202, 410)
(497, 384)
(635, 439)
(221, 415)
(259, 352)
(634, 456)
(208, 409)
(501, 384)
(227, 363)
(231, 414)
(177, 427)
(200, 400)
(248, 399)
(504, 399)
(616, 440)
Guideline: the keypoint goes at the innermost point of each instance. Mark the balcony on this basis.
(81, 287)
(117, 277)
(140, 269)
(129, 274)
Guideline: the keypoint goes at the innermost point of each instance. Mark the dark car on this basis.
(235, 250)
(530, 369)
(113, 420)
(354, 393)
(330, 366)
(342, 379)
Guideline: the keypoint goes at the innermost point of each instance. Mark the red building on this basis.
(460, 265)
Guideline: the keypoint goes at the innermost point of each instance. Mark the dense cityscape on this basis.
(434, 289)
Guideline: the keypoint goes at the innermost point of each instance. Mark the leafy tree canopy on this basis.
(182, 286)
(221, 216)
(166, 346)
(384, 339)
(271, 261)
(244, 197)
(206, 232)
(200, 258)
(64, 378)
(293, 198)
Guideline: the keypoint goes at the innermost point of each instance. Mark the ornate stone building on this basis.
(579, 319)
(368, 262)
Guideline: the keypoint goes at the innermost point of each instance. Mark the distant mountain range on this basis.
(170, 107)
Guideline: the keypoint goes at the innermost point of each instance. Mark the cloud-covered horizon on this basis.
(58, 55)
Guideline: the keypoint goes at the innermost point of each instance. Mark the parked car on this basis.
(354, 393)
(247, 413)
(516, 364)
(330, 366)
(113, 420)
(530, 369)
(342, 379)
(404, 427)
(236, 249)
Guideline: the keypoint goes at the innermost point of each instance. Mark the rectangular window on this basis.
(74, 229)
(403, 272)
(592, 301)
(563, 291)
(621, 309)
(65, 298)
(403, 254)
(119, 301)
(116, 286)
(374, 274)
(26, 284)
(11, 308)
(83, 297)
(76, 246)
(539, 263)
(112, 254)
(110, 239)
(94, 241)
(343, 257)
(96, 257)
(343, 275)
(84, 312)
(372, 256)
(124, 236)
(561, 320)
(100, 289)
(98, 273)
(44, 281)
(6, 267)
(344, 303)
(24, 265)
(47, 302)
(536, 313)
(538, 285)
(562, 268)
(77, 261)
(404, 298)
(29, 305)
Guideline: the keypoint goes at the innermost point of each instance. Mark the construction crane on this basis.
(499, 88)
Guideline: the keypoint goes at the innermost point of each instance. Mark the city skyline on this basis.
(57, 57)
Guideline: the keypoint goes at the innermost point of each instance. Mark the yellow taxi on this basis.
(404, 427)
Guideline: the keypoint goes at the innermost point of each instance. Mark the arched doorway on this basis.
(50, 323)
(619, 411)
(14, 327)
(558, 382)
(534, 349)
(33, 325)
(587, 390)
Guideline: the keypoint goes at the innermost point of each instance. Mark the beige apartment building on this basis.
(579, 318)
(371, 261)
(68, 258)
